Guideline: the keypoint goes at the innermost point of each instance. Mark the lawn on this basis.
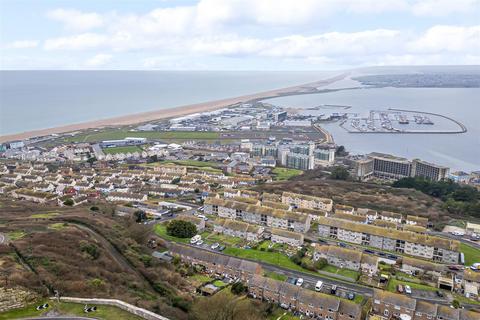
(275, 276)
(219, 283)
(199, 278)
(341, 271)
(392, 285)
(128, 149)
(285, 173)
(44, 215)
(64, 308)
(116, 134)
(472, 254)
(274, 258)
(161, 231)
(220, 238)
(15, 235)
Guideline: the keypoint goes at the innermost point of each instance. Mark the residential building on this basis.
(338, 256)
(306, 201)
(126, 197)
(287, 237)
(405, 242)
(238, 229)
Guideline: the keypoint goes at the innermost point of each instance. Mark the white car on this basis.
(195, 239)
(299, 282)
(199, 242)
(202, 217)
(408, 290)
(319, 285)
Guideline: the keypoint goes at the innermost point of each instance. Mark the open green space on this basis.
(44, 215)
(116, 134)
(220, 238)
(161, 231)
(285, 173)
(200, 278)
(275, 276)
(341, 271)
(219, 283)
(472, 254)
(15, 235)
(392, 285)
(73, 309)
(127, 149)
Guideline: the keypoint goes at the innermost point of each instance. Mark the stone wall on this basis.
(143, 313)
(14, 298)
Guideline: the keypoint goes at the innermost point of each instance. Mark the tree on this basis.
(181, 229)
(339, 173)
(320, 263)
(238, 288)
(341, 152)
(68, 202)
(94, 208)
(90, 248)
(456, 304)
(139, 216)
(91, 160)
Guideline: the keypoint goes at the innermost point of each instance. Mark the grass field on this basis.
(276, 276)
(201, 278)
(44, 215)
(342, 272)
(472, 254)
(392, 285)
(285, 173)
(270, 257)
(155, 135)
(127, 149)
(220, 238)
(74, 309)
(15, 235)
(161, 231)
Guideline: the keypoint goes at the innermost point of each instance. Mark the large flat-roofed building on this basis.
(363, 168)
(429, 170)
(306, 201)
(404, 242)
(259, 215)
(390, 167)
(300, 161)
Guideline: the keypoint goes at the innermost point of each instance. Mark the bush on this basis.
(238, 288)
(307, 264)
(94, 208)
(339, 173)
(90, 248)
(320, 263)
(69, 202)
(181, 229)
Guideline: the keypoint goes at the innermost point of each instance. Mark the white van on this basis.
(195, 239)
(319, 285)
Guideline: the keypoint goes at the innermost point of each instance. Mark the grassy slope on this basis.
(282, 174)
(103, 312)
(472, 254)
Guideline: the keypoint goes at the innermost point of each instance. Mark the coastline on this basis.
(170, 112)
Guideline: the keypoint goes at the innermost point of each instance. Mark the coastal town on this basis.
(307, 254)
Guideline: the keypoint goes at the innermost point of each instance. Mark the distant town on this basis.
(196, 183)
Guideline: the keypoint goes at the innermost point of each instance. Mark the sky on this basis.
(237, 34)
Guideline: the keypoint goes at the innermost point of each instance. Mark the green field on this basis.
(161, 231)
(116, 134)
(274, 258)
(73, 309)
(15, 235)
(342, 272)
(472, 254)
(127, 149)
(44, 215)
(220, 238)
(285, 173)
(58, 226)
(392, 285)
(200, 278)
(276, 276)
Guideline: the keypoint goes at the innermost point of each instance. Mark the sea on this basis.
(457, 151)
(32, 100)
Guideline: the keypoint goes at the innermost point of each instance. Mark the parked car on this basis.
(408, 290)
(221, 248)
(369, 251)
(319, 285)
(341, 244)
(333, 290)
(440, 294)
(351, 296)
(299, 282)
(195, 239)
(199, 242)
(215, 246)
(203, 217)
(400, 288)
(391, 256)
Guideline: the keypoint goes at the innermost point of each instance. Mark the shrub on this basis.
(90, 248)
(181, 229)
(94, 208)
(320, 263)
(238, 288)
(69, 202)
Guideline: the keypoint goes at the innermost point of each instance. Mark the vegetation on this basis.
(238, 288)
(44, 215)
(115, 134)
(275, 258)
(276, 276)
(181, 229)
(341, 152)
(285, 173)
(457, 198)
(68, 202)
(471, 254)
(342, 272)
(161, 231)
(393, 283)
(66, 308)
(127, 149)
(339, 173)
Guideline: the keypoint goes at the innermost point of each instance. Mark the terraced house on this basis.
(308, 302)
(238, 229)
(387, 305)
(216, 263)
(257, 214)
(404, 242)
